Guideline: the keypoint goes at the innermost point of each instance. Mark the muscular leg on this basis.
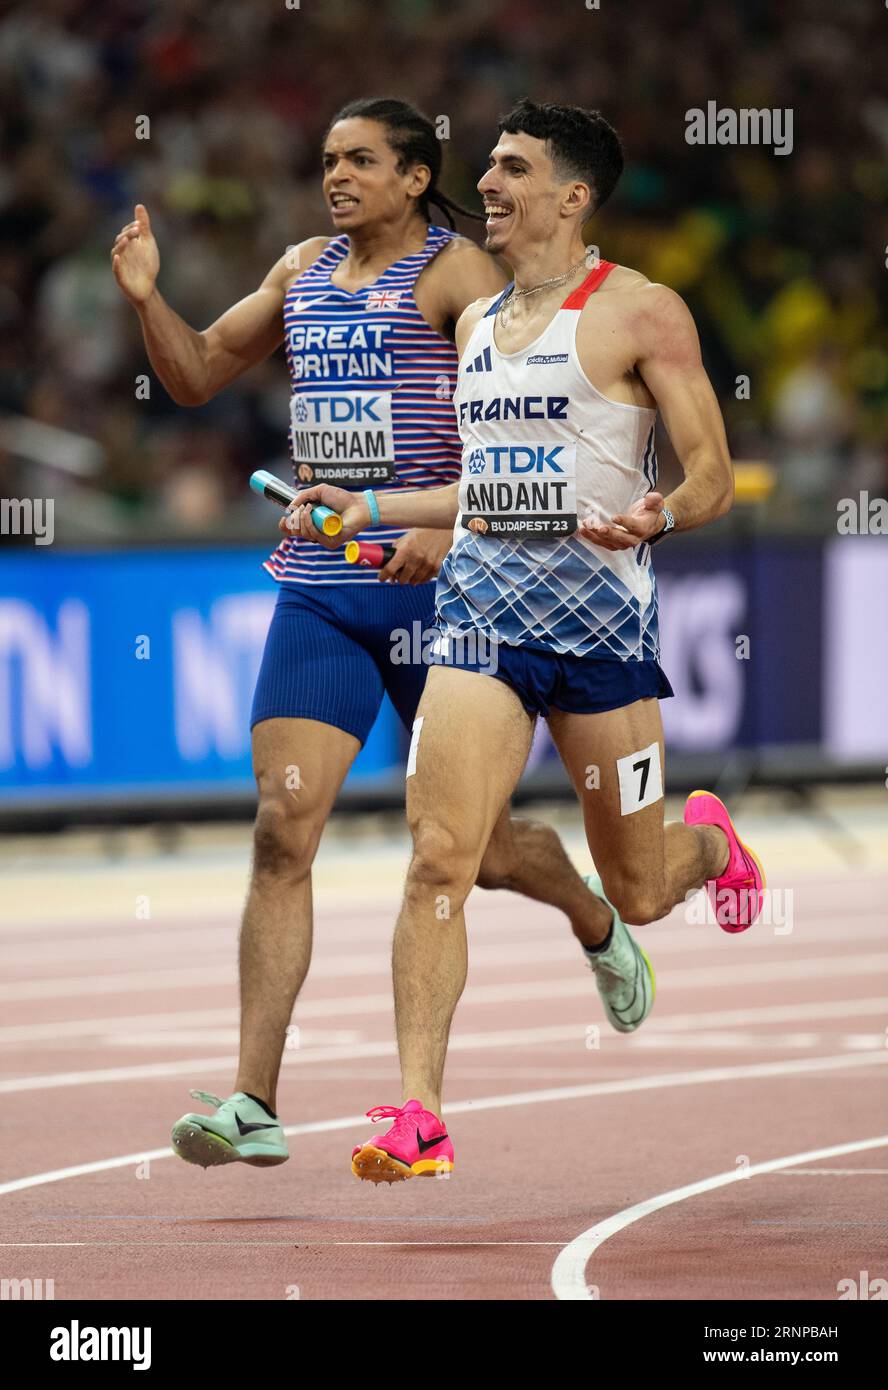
(472, 748)
(646, 867)
(528, 857)
(276, 934)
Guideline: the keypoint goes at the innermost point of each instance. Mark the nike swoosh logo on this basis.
(250, 1129)
(642, 974)
(423, 1144)
(299, 304)
(631, 1005)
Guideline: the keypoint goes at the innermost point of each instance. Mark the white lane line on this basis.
(460, 1042)
(625, 1086)
(722, 975)
(577, 986)
(126, 942)
(128, 982)
(733, 1041)
(706, 1040)
(126, 936)
(569, 1270)
(57, 1029)
(832, 1172)
(335, 967)
(365, 1050)
(772, 1013)
(660, 1036)
(336, 919)
(133, 939)
(150, 1244)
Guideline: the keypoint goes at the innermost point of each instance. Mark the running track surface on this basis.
(758, 1084)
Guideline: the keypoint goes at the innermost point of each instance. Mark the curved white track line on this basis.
(655, 1082)
(569, 1270)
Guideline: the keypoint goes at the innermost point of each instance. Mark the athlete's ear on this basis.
(418, 180)
(578, 200)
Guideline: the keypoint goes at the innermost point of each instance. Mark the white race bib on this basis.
(521, 491)
(342, 437)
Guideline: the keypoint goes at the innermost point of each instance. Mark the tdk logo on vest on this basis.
(514, 408)
(355, 409)
(515, 458)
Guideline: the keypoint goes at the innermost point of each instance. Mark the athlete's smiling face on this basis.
(363, 184)
(524, 199)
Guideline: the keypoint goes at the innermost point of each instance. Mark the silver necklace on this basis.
(507, 308)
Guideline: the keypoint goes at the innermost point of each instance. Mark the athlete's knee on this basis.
(285, 837)
(637, 900)
(441, 861)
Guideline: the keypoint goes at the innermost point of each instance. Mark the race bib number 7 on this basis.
(519, 490)
(641, 779)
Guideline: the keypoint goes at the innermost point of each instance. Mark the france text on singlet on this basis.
(542, 447)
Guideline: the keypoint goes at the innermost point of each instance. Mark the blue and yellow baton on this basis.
(267, 485)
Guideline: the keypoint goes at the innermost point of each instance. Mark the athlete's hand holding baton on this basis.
(428, 515)
(353, 509)
(267, 485)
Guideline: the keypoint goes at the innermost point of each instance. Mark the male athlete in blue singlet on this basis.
(561, 376)
(367, 319)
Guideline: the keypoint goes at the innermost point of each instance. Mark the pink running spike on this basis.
(417, 1145)
(737, 895)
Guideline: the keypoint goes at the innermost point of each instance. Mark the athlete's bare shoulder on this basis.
(623, 280)
(662, 325)
(294, 261)
(619, 296)
(470, 317)
(462, 273)
(460, 249)
(646, 297)
(653, 312)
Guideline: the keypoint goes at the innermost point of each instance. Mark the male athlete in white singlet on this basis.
(560, 379)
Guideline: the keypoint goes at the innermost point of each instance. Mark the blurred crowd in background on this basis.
(782, 259)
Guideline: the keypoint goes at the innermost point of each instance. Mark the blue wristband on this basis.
(373, 506)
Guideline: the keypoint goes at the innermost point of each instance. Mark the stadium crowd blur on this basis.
(781, 258)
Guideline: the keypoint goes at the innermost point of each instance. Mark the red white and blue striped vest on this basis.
(369, 378)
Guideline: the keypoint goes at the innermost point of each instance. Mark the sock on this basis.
(599, 950)
(261, 1103)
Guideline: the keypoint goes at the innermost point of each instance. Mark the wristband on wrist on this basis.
(372, 505)
(669, 526)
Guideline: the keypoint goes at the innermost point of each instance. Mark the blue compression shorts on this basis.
(328, 654)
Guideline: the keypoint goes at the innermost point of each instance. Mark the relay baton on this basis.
(267, 485)
(368, 554)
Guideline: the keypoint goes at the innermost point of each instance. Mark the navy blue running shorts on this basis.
(545, 680)
(329, 654)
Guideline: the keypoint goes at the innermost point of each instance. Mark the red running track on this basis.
(760, 1047)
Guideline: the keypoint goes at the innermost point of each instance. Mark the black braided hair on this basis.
(412, 137)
